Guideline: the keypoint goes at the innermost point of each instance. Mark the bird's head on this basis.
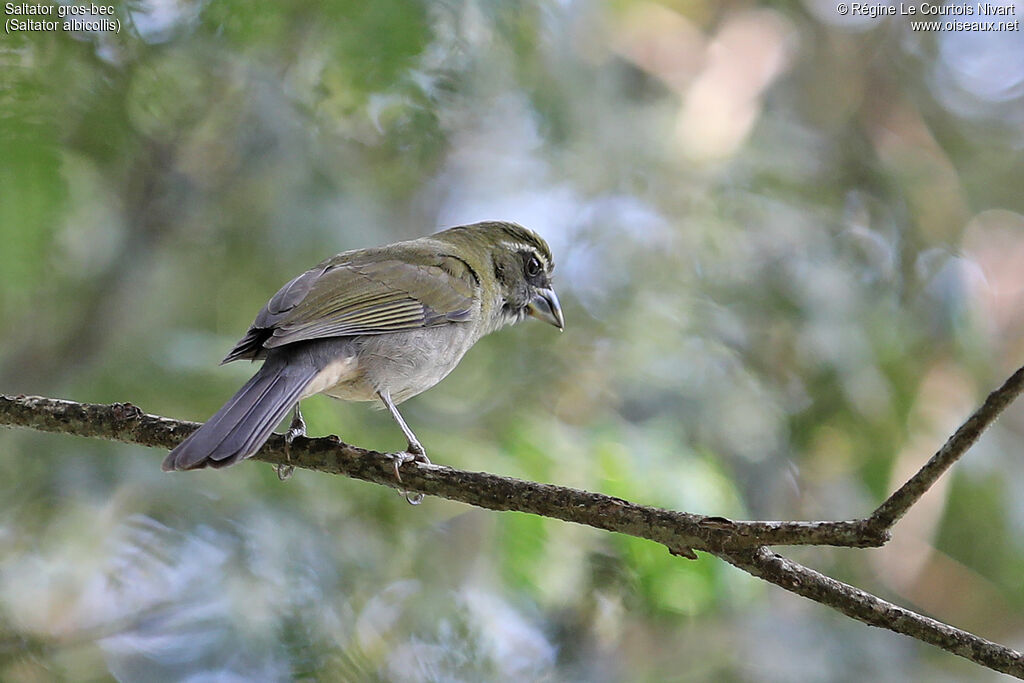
(515, 267)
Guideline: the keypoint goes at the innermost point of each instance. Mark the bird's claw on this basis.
(296, 429)
(286, 469)
(414, 453)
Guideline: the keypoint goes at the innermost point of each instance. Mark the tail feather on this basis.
(245, 422)
(242, 443)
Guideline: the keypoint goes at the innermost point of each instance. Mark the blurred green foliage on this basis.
(788, 245)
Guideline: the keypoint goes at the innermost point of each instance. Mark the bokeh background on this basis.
(790, 247)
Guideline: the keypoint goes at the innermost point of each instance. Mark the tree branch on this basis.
(741, 543)
(680, 531)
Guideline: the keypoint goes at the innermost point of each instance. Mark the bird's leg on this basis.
(414, 452)
(295, 429)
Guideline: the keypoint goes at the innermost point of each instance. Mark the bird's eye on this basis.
(533, 266)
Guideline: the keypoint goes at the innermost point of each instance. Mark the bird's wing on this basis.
(369, 297)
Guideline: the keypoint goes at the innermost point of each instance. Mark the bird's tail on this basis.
(245, 422)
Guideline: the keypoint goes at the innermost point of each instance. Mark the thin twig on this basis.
(893, 509)
(862, 606)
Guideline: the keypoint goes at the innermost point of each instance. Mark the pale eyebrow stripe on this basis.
(518, 246)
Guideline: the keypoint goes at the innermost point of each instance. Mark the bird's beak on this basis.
(545, 307)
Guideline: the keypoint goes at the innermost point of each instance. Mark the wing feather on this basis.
(350, 296)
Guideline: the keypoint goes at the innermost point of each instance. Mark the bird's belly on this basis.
(404, 363)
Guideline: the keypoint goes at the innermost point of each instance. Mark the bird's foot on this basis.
(414, 453)
(296, 429)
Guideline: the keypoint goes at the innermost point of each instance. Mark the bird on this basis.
(378, 324)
